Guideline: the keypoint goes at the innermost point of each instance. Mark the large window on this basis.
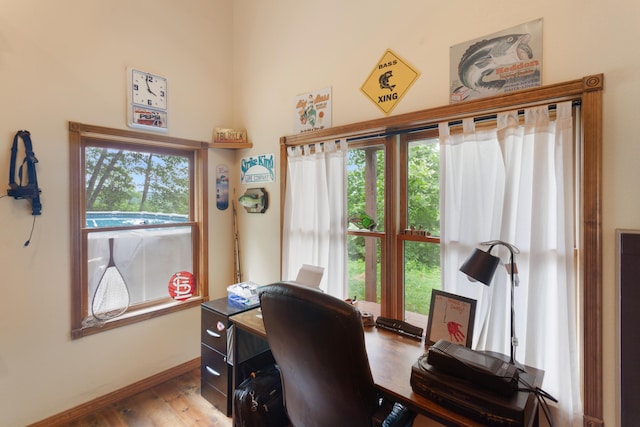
(393, 260)
(137, 224)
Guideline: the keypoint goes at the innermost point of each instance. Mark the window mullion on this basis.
(392, 295)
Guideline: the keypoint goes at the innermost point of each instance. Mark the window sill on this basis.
(419, 238)
(416, 319)
(137, 315)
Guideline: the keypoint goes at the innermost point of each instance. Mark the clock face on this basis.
(148, 90)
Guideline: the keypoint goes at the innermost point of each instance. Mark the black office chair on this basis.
(318, 343)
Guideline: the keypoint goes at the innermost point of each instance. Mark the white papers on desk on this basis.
(309, 275)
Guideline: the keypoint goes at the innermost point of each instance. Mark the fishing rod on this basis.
(236, 243)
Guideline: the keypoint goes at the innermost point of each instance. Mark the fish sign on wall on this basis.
(389, 81)
(255, 200)
(505, 61)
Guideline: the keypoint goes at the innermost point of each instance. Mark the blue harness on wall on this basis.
(30, 190)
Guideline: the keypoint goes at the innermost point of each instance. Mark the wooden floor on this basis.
(174, 403)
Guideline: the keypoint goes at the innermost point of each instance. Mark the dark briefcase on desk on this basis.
(258, 402)
(468, 399)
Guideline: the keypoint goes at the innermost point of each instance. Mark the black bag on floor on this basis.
(257, 401)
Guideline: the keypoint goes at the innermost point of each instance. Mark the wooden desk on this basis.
(390, 357)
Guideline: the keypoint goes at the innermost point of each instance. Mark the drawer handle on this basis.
(213, 334)
(213, 371)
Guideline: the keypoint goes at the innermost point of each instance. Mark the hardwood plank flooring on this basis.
(174, 403)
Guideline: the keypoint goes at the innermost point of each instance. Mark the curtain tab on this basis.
(564, 109)
(468, 125)
(443, 129)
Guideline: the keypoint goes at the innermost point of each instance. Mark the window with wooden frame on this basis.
(138, 226)
(588, 93)
(406, 256)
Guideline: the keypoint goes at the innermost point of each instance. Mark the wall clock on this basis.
(147, 100)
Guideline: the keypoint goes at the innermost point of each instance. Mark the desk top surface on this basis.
(390, 356)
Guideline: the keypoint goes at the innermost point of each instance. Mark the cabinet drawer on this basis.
(214, 330)
(216, 398)
(214, 368)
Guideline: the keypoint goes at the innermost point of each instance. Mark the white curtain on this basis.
(314, 229)
(515, 184)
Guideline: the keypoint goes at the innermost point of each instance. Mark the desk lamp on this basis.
(481, 266)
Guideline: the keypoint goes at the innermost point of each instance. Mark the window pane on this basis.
(146, 259)
(423, 186)
(154, 185)
(421, 275)
(421, 259)
(365, 186)
(364, 268)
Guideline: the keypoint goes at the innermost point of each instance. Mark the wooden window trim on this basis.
(588, 91)
(79, 132)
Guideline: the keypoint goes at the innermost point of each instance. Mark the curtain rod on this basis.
(488, 117)
(567, 91)
(458, 122)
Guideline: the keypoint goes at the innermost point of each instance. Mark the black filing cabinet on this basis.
(216, 358)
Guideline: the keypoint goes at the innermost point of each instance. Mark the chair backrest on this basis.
(318, 342)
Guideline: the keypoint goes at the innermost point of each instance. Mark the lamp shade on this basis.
(481, 266)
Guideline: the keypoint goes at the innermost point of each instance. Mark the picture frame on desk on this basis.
(451, 317)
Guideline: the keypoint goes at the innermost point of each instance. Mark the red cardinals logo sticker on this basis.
(181, 285)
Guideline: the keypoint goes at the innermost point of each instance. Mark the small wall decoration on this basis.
(451, 318)
(389, 81)
(147, 118)
(229, 135)
(312, 111)
(505, 61)
(222, 187)
(254, 169)
(254, 200)
(181, 285)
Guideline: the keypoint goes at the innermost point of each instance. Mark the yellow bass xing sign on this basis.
(389, 81)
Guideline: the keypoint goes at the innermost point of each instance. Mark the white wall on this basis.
(287, 47)
(240, 63)
(66, 60)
